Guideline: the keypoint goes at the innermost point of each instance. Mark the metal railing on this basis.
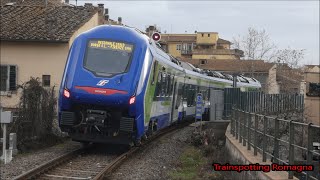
(276, 138)
(220, 111)
(183, 51)
(218, 51)
(256, 101)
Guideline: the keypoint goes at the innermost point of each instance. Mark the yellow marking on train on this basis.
(111, 45)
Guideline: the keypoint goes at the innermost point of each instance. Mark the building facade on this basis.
(312, 93)
(36, 43)
(200, 45)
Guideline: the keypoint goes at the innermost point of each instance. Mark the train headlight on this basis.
(66, 93)
(132, 100)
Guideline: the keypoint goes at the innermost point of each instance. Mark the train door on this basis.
(174, 107)
(217, 104)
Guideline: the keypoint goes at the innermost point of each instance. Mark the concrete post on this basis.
(5, 119)
(264, 141)
(291, 147)
(309, 149)
(4, 151)
(255, 149)
(276, 141)
(13, 143)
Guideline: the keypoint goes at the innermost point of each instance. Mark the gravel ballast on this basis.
(27, 161)
(157, 160)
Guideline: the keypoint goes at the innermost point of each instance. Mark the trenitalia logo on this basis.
(102, 82)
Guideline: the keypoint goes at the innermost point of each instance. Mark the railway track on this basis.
(88, 163)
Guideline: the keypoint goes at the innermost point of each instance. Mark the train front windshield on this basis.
(107, 58)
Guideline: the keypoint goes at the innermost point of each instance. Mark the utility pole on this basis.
(234, 75)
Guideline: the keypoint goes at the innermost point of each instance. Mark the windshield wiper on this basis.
(104, 74)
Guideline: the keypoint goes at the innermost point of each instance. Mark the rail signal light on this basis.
(156, 36)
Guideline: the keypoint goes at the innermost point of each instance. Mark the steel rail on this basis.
(37, 171)
(120, 159)
(116, 162)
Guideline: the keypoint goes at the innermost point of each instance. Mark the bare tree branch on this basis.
(255, 44)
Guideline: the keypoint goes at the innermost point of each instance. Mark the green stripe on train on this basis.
(151, 88)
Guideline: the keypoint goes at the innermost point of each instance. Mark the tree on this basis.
(35, 113)
(291, 57)
(256, 45)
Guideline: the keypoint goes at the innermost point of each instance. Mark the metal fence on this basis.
(220, 111)
(256, 101)
(283, 141)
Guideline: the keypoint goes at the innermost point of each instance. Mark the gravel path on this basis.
(157, 160)
(27, 161)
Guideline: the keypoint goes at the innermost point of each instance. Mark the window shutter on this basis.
(3, 78)
(13, 78)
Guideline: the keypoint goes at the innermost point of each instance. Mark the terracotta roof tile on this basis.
(33, 2)
(40, 23)
(178, 38)
(312, 66)
(223, 41)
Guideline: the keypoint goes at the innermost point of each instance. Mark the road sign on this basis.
(6, 117)
(199, 106)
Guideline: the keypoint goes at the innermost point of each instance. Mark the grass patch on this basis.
(189, 164)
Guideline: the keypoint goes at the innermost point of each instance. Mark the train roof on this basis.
(188, 68)
(206, 74)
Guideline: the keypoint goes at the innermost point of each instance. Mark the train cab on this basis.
(98, 90)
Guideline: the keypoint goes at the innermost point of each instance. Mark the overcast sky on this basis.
(292, 24)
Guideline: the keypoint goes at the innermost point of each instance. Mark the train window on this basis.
(184, 92)
(164, 84)
(191, 95)
(172, 85)
(159, 84)
(179, 95)
(154, 70)
(188, 94)
(204, 94)
(168, 85)
(107, 58)
(205, 97)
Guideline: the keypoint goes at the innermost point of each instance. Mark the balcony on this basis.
(186, 52)
(235, 52)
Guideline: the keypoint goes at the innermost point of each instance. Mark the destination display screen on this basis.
(111, 45)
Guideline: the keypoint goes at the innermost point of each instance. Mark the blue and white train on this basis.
(120, 86)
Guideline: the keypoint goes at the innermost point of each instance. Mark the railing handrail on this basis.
(242, 128)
